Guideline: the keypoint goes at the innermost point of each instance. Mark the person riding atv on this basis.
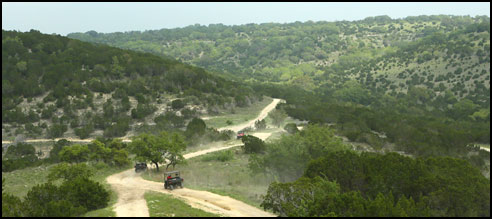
(240, 134)
(172, 182)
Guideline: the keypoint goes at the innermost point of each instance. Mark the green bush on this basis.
(291, 128)
(47, 200)
(252, 144)
(222, 156)
(20, 150)
(85, 193)
(20, 163)
(260, 124)
(70, 172)
(196, 127)
(11, 205)
(56, 130)
(177, 104)
(20, 156)
(73, 198)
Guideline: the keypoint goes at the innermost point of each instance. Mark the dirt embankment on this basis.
(131, 187)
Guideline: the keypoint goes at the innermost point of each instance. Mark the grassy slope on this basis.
(230, 178)
(241, 115)
(235, 180)
(19, 182)
(163, 205)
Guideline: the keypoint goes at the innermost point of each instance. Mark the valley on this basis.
(378, 117)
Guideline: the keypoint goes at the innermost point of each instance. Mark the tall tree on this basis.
(278, 116)
(156, 148)
(177, 147)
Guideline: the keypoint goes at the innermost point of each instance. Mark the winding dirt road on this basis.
(250, 123)
(131, 187)
(235, 128)
(88, 140)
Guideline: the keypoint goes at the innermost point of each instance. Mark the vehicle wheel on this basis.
(171, 187)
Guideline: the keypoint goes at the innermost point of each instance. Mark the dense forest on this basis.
(52, 84)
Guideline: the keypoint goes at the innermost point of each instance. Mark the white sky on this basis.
(64, 18)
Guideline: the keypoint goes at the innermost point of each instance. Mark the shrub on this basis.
(222, 156)
(177, 104)
(85, 193)
(20, 150)
(57, 147)
(47, 200)
(291, 128)
(260, 124)
(196, 127)
(11, 205)
(253, 144)
(69, 172)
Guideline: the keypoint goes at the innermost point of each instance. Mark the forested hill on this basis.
(297, 52)
(51, 84)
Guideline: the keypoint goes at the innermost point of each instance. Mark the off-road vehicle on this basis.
(240, 134)
(172, 180)
(140, 167)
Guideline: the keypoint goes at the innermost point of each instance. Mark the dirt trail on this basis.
(131, 187)
(57, 139)
(131, 203)
(484, 148)
(261, 116)
(235, 128)
(262, 136)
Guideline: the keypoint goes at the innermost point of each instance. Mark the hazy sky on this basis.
(64, 18)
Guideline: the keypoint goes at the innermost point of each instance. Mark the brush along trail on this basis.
(130, 187)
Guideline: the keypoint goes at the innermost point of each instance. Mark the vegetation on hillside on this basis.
(52, 84)
(76, 195)
(347, 184)
(318, 175)
(419, 86)
(389, 54)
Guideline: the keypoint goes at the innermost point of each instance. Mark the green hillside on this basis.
(401, 78)
(393, 114)
(295, 53)
(53, 86)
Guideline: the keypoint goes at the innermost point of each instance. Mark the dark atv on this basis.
(140, 167)
(173, 180)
